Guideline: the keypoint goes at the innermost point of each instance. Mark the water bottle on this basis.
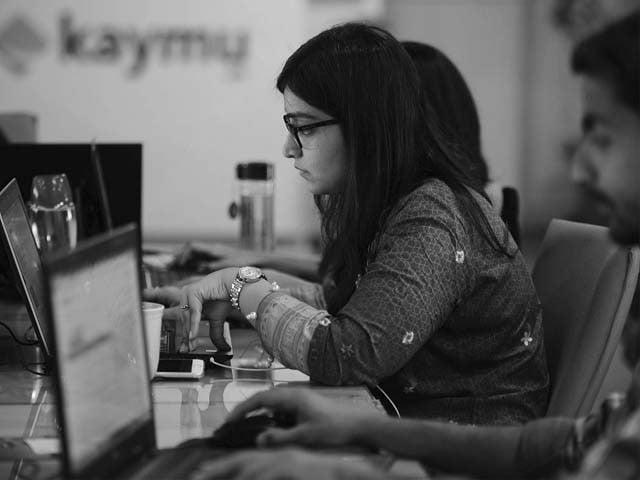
(255, 184)
(52, 212)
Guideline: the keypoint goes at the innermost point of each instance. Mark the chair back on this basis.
(510, 212)
(585, 283)
(506, 202)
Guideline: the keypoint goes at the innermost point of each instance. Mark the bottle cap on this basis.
(254, 171)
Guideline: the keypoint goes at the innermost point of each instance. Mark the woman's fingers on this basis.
(216, 333)
(194, 300)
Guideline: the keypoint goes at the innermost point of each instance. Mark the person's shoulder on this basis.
(432, 202)
(431, 197)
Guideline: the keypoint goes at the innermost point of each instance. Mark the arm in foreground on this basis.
(533, 449)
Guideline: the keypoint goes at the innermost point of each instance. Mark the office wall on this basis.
(81, 67)
(193, 80)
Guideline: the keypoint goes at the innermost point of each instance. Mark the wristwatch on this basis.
(245, 275)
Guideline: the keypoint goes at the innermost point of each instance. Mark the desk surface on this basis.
(183, 409)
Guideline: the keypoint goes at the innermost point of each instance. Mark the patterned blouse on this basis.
(447, 325)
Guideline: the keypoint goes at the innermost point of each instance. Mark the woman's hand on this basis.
(292, 464)
(319, 420)
(208, 297)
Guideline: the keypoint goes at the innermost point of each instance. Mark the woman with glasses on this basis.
(423, 290)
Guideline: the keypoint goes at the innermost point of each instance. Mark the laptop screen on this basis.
(100, 349)
(23, 255)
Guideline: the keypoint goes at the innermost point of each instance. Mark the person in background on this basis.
(607, 165)
(423, 292)
(456, 116)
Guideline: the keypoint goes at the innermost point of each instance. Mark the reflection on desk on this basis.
(183, 409)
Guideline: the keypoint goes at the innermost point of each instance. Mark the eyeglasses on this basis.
(304, 134)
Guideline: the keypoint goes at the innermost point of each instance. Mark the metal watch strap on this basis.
(236, 287)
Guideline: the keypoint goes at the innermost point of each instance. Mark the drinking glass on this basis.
(52, 212)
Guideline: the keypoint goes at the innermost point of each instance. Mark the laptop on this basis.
(104, 398)
(24, 259)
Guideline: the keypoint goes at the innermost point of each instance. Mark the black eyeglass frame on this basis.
(293, 130)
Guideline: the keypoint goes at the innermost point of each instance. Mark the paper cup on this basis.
(152, 314)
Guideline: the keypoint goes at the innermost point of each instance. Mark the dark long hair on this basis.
(451, 101)
(362, 76)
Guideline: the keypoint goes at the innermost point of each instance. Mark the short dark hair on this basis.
(612, 55)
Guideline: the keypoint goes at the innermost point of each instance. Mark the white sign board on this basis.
(194, 81)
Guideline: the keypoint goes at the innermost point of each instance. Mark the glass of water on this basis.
(53, 213)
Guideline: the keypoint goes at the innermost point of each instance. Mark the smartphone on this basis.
(180, 368)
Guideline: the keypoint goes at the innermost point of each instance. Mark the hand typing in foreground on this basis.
(319, 420)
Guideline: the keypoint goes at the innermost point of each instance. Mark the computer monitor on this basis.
(106, 178)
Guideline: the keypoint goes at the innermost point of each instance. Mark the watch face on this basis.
(250, 274)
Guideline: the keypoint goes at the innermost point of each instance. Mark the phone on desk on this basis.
(185, 368)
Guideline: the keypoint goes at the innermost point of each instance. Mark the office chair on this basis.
(506, 202)
(585, 283)
(510, 212)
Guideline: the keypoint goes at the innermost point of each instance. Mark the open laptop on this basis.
(23, 256)
(24, 260)
(104, 396)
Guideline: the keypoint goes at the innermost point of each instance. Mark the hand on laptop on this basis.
(319, 420)
(215, 311)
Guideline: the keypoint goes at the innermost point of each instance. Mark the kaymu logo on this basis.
(19, 43)
(111, 44)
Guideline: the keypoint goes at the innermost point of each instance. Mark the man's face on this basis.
(607, 161)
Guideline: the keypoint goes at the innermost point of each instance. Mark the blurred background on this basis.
(194, 82)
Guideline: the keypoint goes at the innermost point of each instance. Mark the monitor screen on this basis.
(121, 175)
(100, 350)
(115, 190)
